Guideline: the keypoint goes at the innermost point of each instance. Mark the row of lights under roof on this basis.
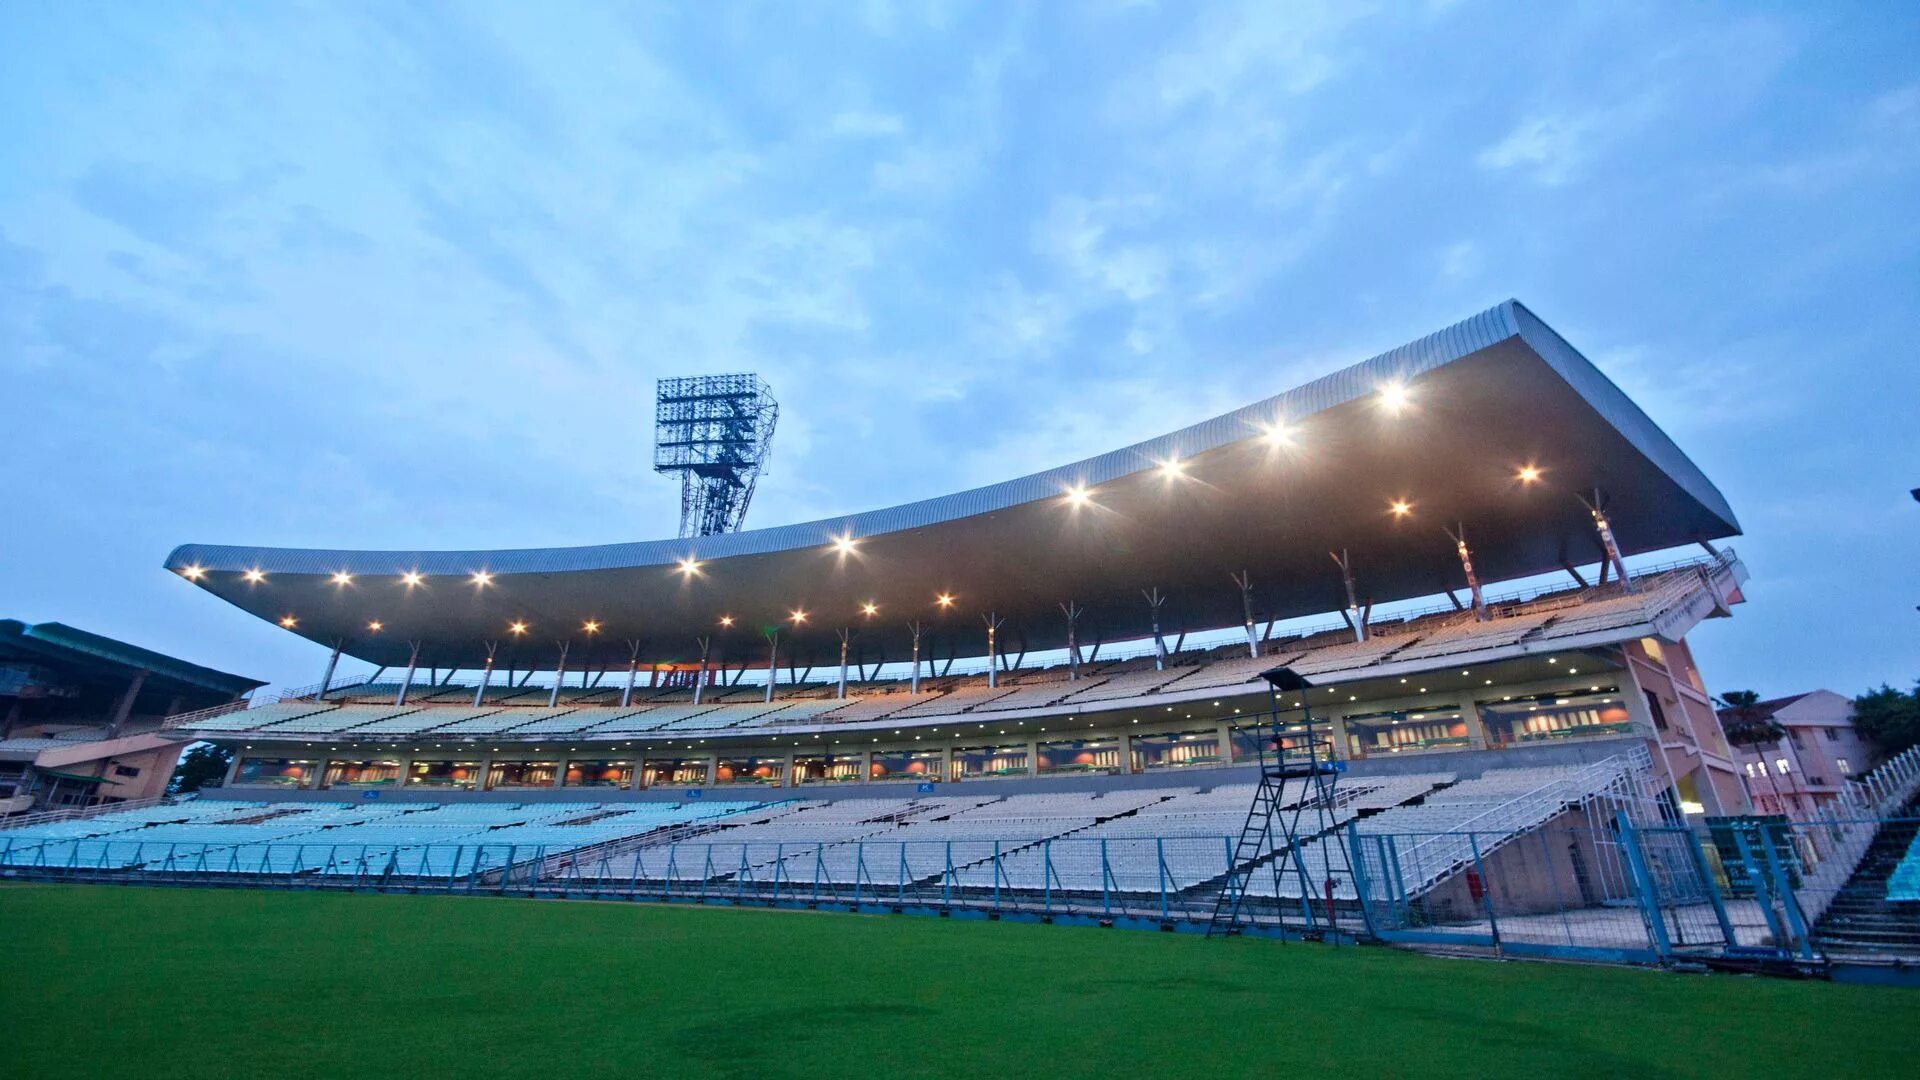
(1393, 396)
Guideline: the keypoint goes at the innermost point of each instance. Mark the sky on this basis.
(402, 275)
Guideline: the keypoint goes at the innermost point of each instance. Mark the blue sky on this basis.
(369, 275)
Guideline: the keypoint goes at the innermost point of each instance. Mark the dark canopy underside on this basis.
(1487, 396)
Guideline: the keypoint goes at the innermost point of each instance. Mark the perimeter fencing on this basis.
(1579, 887)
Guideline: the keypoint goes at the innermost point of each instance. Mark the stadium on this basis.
(1399, 656)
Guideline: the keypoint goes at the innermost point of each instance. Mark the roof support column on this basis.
(486, 675)
(406, 683)
(633, 672)
(559, 674)
(913, 680)
(1155, 600)
(1356, 617)
(1597, 507)
(844, 634)
(125, 708)
(773, 661)
(1245, 581)
(326, 680)
(994, 623)
(1459, 539)
(1073, 612)
(700, 677)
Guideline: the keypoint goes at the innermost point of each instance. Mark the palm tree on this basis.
(1744, 723)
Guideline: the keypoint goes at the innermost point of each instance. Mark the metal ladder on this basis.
(1312, 762)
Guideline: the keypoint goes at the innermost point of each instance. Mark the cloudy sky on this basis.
(369, 275)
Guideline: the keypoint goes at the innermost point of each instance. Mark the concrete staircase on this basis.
(1860, 920)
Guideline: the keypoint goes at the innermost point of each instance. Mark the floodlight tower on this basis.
(716, 431)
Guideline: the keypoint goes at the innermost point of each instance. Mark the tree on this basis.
(1745, 724)
(203, 765)
(1889, 718)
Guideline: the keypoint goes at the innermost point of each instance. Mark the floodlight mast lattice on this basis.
(716, 431)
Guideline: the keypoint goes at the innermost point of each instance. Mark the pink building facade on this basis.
(1809, 766)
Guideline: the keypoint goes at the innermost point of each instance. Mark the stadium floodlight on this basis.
(869, 609)
(289, 621)
(374, 626)
(716, 431)
(845, 545)
(1529, 473)
(689, 566)
(1172, 469)
(254, 576)
(194, 572)
(341, 577)
(517, 628)
(798, 616)
(726, 620)
(1400, 507)
(590, 626)
(944, 599)
(1394, 395)
(481, 578)
(1277, 435)
(411, 578)
(1078, 495)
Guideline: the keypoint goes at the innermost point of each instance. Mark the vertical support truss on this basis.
(1245, 581)
(994, 622)
(486, 675)
(633, 671)
(1459, 539)
(716, 431)
(1073, 612)
(1155, 601)
(559, 674)
(413, 661)
(1356, 616)
(844, 635)
(1598, 508)
(913, 682)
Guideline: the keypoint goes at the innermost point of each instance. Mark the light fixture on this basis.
(869, 608)
(689, 566)
(1529, 473)
(726, 620)
(1277, 435)
(341, 577)
(590, 626)
(517, 628)
(1394, 395)
(481, 578)
(254, 576)
(1400, 507)
(411, 578)
(944, 599)
(289, 621)
(845, 545)
(1172, 469)
(798, 616)
(1078, 495)
(194, 572)
(374, 626)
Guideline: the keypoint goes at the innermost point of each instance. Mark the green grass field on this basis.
(104, 981)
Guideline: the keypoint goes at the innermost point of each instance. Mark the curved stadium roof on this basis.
(1485, 396)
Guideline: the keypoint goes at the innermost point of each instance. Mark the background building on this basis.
(80, 715)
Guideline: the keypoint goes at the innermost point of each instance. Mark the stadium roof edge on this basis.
(1513, 382)
(1507, 319)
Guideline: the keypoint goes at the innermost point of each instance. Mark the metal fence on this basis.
(1578, 888)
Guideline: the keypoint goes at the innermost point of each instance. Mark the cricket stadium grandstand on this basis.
(1401, 653)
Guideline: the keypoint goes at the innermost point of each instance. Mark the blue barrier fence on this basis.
(1590, 890)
